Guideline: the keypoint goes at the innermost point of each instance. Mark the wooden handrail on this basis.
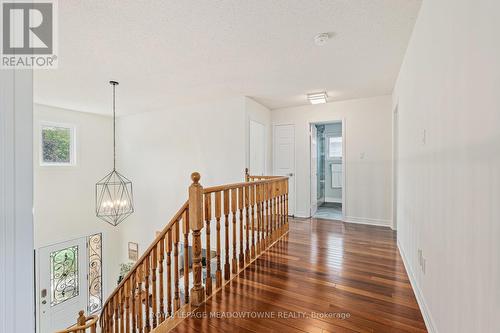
(265, 180)
(150, 293)
(83, 323)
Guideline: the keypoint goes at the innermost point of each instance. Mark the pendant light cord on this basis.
(114, 129)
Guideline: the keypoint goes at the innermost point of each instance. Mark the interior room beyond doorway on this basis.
(328, 164)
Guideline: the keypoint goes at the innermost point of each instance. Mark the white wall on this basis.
(65, 196)
(368, 154)
(449, 184)
(159, 150)
(259, 113)
(16, 202)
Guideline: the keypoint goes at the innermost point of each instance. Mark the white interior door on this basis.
(62, 290)
(257, 149)
(284, 159)
(314, 169)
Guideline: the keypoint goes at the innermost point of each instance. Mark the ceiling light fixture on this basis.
(114, 199)
(318, 98)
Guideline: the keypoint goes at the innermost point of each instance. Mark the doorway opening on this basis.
(327, 170)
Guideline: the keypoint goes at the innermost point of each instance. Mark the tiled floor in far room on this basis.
(330, 211)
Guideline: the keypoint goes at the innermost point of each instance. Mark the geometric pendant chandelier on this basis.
(114, 198)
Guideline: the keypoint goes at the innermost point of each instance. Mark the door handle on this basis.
(290, 174)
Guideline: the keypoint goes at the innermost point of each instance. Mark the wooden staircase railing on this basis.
(252, 215)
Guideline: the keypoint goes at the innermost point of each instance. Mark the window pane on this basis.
(335, 147)
(56, 144)
(64, 274)
(95, 273)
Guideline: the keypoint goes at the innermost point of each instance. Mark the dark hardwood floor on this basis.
(324, 276)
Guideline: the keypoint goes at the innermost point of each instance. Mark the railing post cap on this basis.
(195, 177)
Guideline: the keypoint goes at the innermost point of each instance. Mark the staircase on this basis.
(250, 216)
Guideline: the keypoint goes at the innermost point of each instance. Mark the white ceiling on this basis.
(172, 52)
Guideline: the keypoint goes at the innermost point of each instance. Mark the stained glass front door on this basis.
(63, 286)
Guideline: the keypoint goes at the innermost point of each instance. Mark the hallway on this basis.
(351, 273)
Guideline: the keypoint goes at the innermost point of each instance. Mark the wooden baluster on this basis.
(177, 300)
(121, 296)
(154, 253)
(282, 216)
(286, 204)
(268, 219)
(227, 271)
(233, 212)
(185, 221)
(140, 293)
(276, 210)
(273, 209)
(161, 255)
(246, 190)
(276, 195)
(258, 190)
(208, 218)
(146, 267)
(110, 315)
(116, 302)
(283, 187)
(133, 300)
(196, 224)
(169, 273)
(127, 306)
(278, 213)
(218, 272)
(240, 207)
(252, 212)
(103, 321)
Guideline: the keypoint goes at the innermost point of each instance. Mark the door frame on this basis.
(294, 160)
(344, 154)
(17, 310)
(395, 164)
(249, 154)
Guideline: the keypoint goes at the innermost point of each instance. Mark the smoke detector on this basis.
(321, 38)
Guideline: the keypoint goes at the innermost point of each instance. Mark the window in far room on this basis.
(57, 145)
(335, 147)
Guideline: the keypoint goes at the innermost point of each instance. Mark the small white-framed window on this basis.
(57, 144)
(334, 147)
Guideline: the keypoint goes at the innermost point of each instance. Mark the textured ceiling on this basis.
(168, 53)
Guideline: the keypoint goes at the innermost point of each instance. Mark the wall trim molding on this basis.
(334, 200)
(368, 221)
(302, 214)
(17, 313)
(424, 309)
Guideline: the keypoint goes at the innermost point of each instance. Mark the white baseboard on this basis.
(424, 309)
(301, 214)
(335, 200)
(364, 220)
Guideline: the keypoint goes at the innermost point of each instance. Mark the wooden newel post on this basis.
(81, 320)
(247, 175)
(196, 224)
